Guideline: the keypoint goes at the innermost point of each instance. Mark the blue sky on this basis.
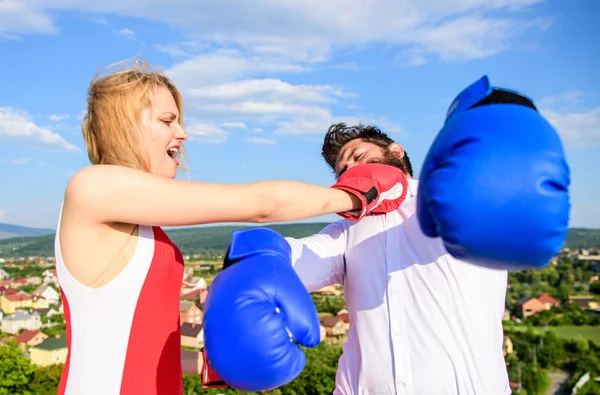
(263, 80)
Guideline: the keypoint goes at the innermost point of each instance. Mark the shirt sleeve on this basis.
(319, 259)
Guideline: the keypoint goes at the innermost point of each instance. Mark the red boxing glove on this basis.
(210, 379)
(381, 188)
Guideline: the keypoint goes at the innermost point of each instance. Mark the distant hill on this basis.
(578, 238)
(209, 241)
(9, 231)
(212, 241)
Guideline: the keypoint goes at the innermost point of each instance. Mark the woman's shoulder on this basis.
(91, 173)
(89, 179)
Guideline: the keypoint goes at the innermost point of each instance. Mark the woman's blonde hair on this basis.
(110, 125)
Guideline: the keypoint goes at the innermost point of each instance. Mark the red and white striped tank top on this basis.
(124, 337)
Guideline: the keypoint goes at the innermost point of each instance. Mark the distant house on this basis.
(526, 307)
(322, 332)
(190, 312)
(506, 315)
(48, 312)
(49, 276)
(586, 257)
(195, 282)
(4, 275)
(191, 284)
(9, 303)
(334, 326)
(30, 338)
(330, 290)
(548, 301)
(18, 283)
(36, 280)
(48, 292)
(585, 302)
(192, 335)
(39, 302)
(197, 295)
(344, 316)
(21, 320)
(51, 351)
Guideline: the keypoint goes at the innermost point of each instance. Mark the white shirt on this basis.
(421, 322)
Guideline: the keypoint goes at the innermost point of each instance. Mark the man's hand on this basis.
(380, 188)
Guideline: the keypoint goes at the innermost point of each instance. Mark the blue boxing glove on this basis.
(494, 184)
(256, 310)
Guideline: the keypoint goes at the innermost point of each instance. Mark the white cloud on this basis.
(234, 55)
(261, 140)
(266, 108)
(58, 117)
(319, 125)
(207, 134)
(18, 17)
(21, 161)
(130, 34)
(577, 124)
(2, 215)
(577, 129)
(464, 38)
(182, 49)
(271, 89)
(217, 87)
(235, 125)
(308, 30)
(225, 65)
(19, 129)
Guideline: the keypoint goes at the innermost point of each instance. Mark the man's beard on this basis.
(391, 159)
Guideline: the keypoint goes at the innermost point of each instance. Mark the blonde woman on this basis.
(119, 274)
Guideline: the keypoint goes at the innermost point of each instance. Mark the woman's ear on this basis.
(397, 149)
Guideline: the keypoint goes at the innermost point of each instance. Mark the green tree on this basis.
(591, 387)
(329, 304)
(588, 363)
(15, 370)
(551, 352)
(535, 380)
(582, 345)
(318, 376)
(46, 379)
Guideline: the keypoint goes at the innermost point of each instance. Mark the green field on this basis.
(591, 333)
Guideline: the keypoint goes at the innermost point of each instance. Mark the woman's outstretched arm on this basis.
(108, 194)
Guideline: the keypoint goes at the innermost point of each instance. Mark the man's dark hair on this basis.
(339, 135)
